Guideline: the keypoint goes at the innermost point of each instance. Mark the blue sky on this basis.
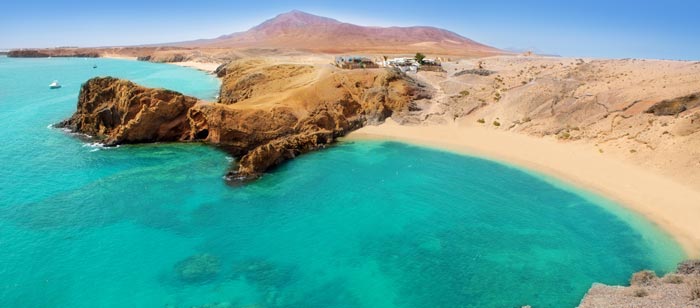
(618, 29)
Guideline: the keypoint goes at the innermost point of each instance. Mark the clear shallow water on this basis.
(370, 224)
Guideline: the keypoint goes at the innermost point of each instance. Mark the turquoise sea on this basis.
(365, 224)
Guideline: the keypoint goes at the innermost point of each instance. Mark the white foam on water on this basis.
(96, 146)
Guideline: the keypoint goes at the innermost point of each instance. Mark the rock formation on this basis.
(266, 114)
(675, 106)
(55, 52)
(679, 289)
(118, 111)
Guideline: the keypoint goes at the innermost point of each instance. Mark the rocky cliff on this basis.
(266, 114)
(679, 289)
(53, 52)
(118, 111)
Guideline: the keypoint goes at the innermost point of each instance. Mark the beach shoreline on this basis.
(662, 201)
(118, 57)
(208, 67)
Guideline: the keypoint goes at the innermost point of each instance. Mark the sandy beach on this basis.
(208, 67)
(118, 56)
(673, 206)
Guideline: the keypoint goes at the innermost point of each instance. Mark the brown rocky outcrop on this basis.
(675, 106)
(119, 111)
(55, 52)
(289, 110)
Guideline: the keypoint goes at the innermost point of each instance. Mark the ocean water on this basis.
(365, 224)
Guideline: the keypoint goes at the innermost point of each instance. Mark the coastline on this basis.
(208, 67)
(116, 56)
(662, 201)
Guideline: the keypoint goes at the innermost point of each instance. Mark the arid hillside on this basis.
(303, 31)
(290, 33)
(643, 111)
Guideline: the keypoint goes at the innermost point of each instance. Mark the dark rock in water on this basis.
(218, 305)
(675, 106)
(143, 58)
(689, 267)
(198, 268)
(264, 273)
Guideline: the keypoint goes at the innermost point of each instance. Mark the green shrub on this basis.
(464, 93)
(673, 278)
(643, 278)
(496, 123)
(564, 135)
(640, 292)
(694, 289)
(481, 121)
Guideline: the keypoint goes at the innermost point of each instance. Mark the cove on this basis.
(363, 224)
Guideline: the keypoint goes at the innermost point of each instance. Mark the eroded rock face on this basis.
(119, 111)
(675, 106)
(271, 113)
(289, 110)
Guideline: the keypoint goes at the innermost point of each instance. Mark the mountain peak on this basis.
(304, 31)
(295, 18)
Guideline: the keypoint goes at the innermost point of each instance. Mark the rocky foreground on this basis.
(266, 113)
(675, 290)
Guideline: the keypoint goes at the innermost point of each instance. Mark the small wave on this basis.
(76, 134)
(96, 146)
(229, 159)
(69, 131)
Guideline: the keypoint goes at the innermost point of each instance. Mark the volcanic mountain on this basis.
(303, 31)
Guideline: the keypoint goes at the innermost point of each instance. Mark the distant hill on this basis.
(304, 31)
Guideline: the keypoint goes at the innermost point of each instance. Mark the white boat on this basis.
(54, 85)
